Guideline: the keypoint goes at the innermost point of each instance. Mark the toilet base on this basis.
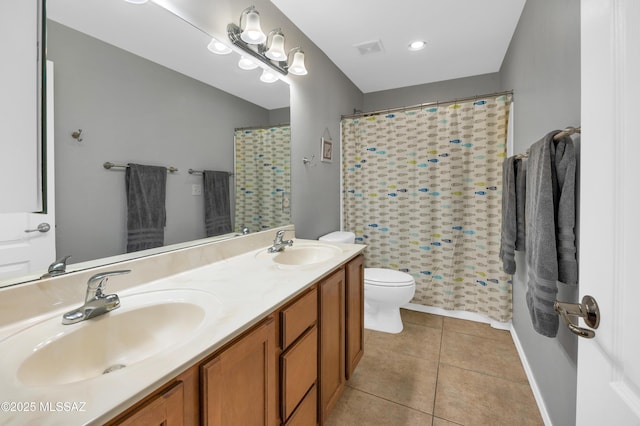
(386, 320)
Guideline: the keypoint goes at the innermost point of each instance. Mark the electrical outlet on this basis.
(196, 189)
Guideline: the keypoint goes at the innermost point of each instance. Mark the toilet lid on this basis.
(387, 277)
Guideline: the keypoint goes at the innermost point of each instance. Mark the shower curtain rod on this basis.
(437, 103)
(261, 127)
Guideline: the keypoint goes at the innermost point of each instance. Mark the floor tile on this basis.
(359, 408)
(414, 340)
(437, 421)
(472, 398)
(404, 379)
(493, 357)
(476, 329)
(421, 318)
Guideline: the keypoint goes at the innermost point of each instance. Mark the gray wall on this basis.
(439, 91)
(132, 110)
(542, 66)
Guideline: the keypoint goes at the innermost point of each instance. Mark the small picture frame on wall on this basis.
(326, 150)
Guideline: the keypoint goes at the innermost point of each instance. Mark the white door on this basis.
(24, 253)
(609, 364)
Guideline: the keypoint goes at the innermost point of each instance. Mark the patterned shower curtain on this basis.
(422, 188)
(263, 177)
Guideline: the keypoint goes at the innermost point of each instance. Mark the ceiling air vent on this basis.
(370, 47)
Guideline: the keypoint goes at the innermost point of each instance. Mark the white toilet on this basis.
(385, 291)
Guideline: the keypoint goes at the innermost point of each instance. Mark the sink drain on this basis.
(113, 368)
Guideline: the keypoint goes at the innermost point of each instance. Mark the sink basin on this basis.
(145, 325)
(302, 255)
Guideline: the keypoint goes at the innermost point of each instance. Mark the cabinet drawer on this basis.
(307, 412)
(295, 319)
(299, 370)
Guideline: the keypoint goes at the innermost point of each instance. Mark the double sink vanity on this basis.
(222, 333)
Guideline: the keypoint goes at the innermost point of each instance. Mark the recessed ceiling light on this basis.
(417, 45)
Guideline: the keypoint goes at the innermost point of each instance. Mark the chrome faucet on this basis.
(58, 267)
(95, 302)
(278, 243)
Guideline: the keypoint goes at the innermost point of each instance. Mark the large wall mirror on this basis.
(139, 86)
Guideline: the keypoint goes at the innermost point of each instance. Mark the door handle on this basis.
(588, 310)
(43, 227)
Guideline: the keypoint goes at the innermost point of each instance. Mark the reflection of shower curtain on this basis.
(422, 188)
(263, 177)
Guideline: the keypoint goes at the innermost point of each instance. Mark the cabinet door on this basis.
(239, 385)
(354, 314)
(331, 322)
(166, 409)
(299, 370)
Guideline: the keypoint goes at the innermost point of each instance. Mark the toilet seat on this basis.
(387, 278)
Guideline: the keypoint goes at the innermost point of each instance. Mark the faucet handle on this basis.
(102, 278)
(59, 266)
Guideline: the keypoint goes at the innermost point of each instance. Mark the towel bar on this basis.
(109, 165)
(199, 172)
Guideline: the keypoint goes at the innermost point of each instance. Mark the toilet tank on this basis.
(339, 237)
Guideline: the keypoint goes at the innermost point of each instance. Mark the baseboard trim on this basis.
(470, 316)
(532, 381)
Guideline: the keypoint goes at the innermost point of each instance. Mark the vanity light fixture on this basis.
(250, 26)
(218, 47)
(296, 62)
(275, 46)
(268, 76)
(247, 63)
(269, 52)
(136, 1)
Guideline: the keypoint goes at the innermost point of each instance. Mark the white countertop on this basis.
(246, 288)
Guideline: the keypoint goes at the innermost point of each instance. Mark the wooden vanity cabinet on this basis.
(175, 404)
(332, 341)
(299, 360)
(354, 315)
(290, 369)
(239, 383)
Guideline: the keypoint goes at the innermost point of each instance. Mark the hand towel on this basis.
(550, 240)
(217, 206)
(509, 231)
(146, 214)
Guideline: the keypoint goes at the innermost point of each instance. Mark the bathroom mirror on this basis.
(139, 86)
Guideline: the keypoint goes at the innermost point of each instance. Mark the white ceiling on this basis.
(464, 37)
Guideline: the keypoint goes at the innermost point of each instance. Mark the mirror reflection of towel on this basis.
(146, 214)
(217, 206)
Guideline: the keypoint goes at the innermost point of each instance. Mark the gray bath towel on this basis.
(217, 207)
(513, 196)
(521, 197)
(146, 214)
(550, 245)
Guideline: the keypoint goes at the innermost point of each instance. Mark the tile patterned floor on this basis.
(439, 371)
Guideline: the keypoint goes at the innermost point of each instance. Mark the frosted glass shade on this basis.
(276, 48)
(297, 65)
(252, 33)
